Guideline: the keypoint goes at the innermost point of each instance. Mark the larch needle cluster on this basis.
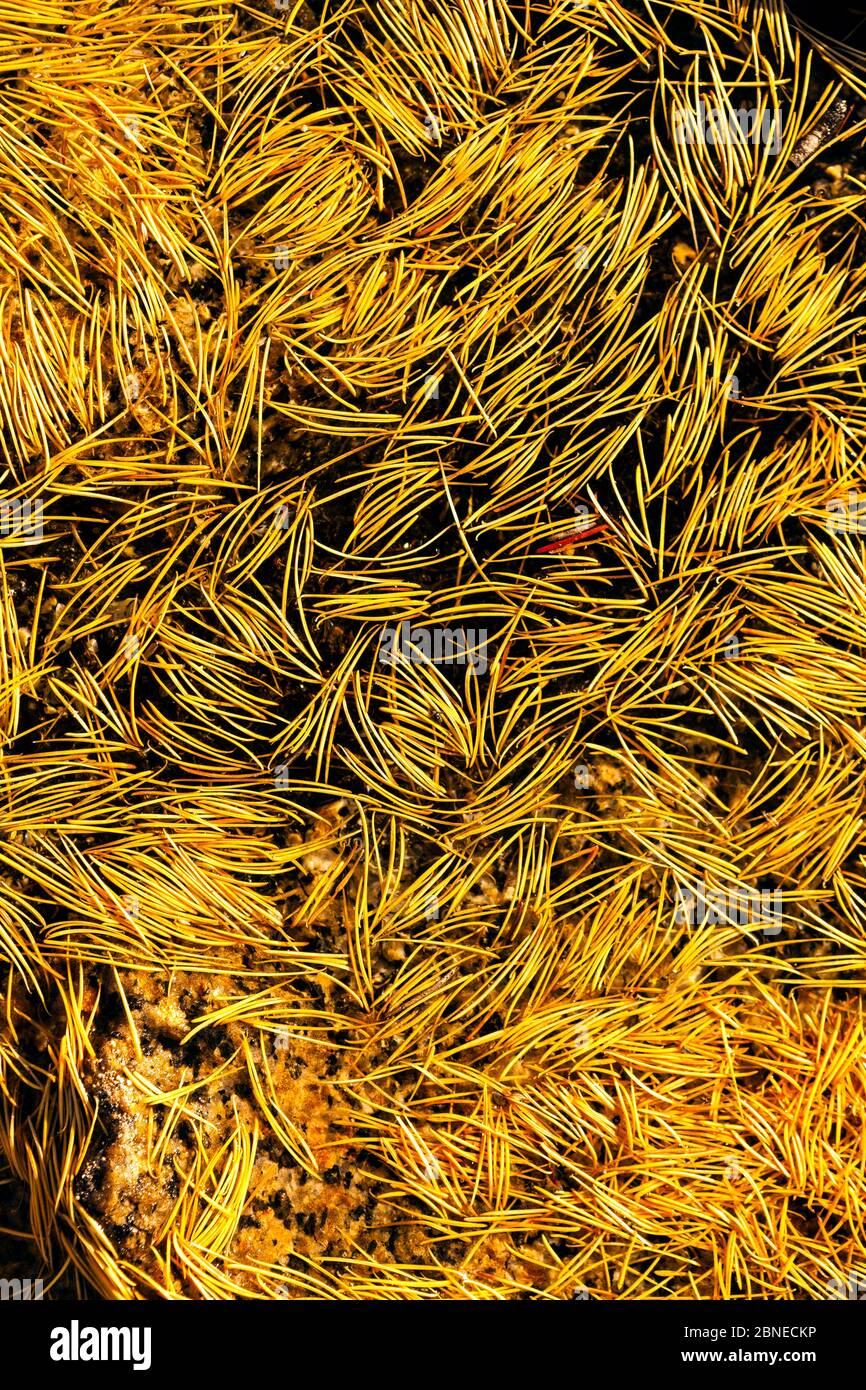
(432, 669)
